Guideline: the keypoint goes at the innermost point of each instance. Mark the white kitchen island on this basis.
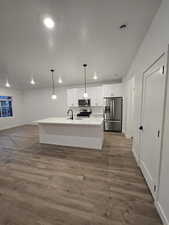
(84, 133)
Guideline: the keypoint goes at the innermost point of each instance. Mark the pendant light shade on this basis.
(85, 95)
(53, 96)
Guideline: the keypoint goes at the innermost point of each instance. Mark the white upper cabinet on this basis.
(80, 93)
(72, 97)
(91, 95)
(96, 94)
(113, 90)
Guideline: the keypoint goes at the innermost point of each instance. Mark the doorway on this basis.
(154, 80)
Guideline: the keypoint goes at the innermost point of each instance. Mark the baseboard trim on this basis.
(156, 203)
(161, 213)
(32, 123)
(135, 156)
(10, 127)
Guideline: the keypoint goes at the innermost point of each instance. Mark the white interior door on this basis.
(152, 119)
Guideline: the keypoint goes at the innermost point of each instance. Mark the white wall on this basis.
(155, 43)
(39, 105)
(34, 104)
(129, 107)
(18, 116)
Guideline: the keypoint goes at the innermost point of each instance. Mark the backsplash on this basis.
(96, 110)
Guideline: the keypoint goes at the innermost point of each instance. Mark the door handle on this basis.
(113, 108)
(158, 133)
(141, 128)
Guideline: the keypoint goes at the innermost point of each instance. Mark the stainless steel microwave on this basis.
(84, 102)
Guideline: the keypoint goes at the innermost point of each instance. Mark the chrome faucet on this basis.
(70, 110)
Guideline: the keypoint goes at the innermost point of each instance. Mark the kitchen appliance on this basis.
(84, 102)
(113, 114)
(84, 113)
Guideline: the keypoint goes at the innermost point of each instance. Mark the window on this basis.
(6, 106)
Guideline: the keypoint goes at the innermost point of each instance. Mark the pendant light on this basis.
(95, 77)
(85, 95)
(53, 96)
(7, 84)
(32, 81)
(60, 81)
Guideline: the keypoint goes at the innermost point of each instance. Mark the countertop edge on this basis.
(74, 124)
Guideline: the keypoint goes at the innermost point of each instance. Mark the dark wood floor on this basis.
(51, 185)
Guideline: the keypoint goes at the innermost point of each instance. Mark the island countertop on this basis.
(62, 120)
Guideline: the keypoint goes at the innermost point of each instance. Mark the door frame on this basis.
(166, 62)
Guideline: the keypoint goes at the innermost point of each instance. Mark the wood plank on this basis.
(57, 185)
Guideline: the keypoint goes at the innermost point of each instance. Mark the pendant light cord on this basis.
(85, 78)
(85, 65)
(53, 82)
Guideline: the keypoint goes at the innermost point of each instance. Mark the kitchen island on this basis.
(84, 133)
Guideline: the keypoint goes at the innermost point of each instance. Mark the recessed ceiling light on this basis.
(60, 81)
(7, 84)
(32, 81)
(95, 77)
(49, 23)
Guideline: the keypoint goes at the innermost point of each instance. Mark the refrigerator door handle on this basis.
(113, 108)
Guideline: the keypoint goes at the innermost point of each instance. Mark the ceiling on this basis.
(86, 31)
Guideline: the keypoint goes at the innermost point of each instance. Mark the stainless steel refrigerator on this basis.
(113, 111)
